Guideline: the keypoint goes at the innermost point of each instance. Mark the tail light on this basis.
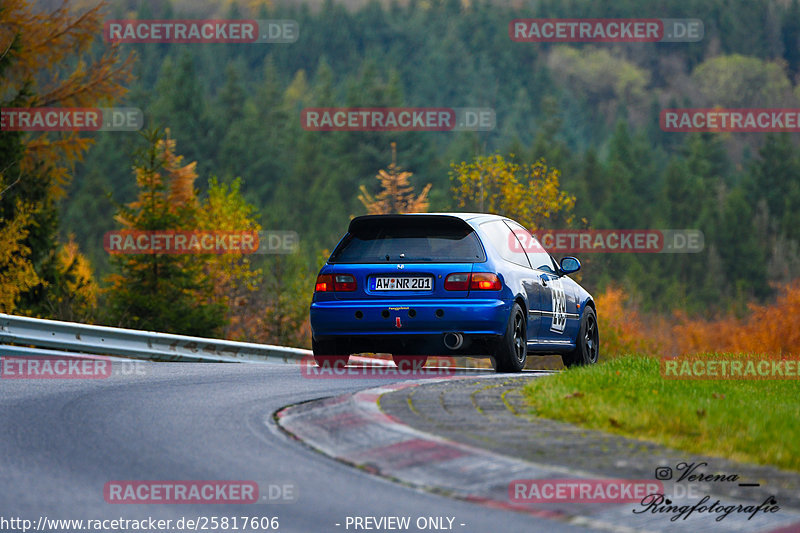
(485, 281)
(324, 283)
(344, 282)
(335, 282)
(458, 281)
(477, 281)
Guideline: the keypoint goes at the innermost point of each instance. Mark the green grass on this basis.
(748, 421)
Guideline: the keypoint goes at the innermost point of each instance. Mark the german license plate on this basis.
(406, 283)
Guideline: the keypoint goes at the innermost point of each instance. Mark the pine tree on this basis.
(163, 292)
(773, 174)
(790, 35)
(181, 106)
(397, 194)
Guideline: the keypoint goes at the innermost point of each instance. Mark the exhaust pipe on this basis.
(453, 340)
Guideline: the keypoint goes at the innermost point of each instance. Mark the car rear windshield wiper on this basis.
(402, 257)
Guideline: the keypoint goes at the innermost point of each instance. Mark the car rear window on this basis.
(409, 239)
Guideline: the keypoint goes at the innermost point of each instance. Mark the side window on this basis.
(503, 240)
(537, 255)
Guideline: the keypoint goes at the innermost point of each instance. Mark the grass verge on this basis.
(747, 421)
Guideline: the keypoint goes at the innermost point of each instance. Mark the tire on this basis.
(587, 345)
(328, 354)
(512, 350)
(410, 362)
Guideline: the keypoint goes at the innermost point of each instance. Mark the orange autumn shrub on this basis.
(691, 335)
(771, 329)
(774, 328)
(768, 329)
(622, 330)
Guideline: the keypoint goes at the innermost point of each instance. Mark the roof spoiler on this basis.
(415, 220)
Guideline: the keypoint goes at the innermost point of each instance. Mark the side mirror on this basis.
(570, 265)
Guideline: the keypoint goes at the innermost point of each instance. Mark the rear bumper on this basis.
(410, 326)
(483, 345)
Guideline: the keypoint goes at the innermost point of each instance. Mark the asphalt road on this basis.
(61, 441)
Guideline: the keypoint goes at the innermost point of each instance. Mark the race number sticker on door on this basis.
(559, 306)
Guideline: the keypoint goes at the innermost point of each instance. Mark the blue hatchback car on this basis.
(456, 284)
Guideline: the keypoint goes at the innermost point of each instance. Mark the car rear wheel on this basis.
(512, 351)
(587, 345)
(328, 354)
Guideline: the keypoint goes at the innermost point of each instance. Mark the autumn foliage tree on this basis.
(284, 293)
(74, 295)
(46, 60)
(397, 194)
(530, 194)
(195, 294)
(234, 279)
(163, 292)
(16, 271)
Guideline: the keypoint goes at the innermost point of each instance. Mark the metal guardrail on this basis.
(71, 338)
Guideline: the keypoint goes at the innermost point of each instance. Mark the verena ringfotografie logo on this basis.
(606, 30)
(200, 242)
(376, 369)
(730, 120)
(46, 367)
(194, 492)
(577, 241)
(397, 119)
(695, 479)
(582, 490)
(71, 119)
(201, 31)
(719, 367)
